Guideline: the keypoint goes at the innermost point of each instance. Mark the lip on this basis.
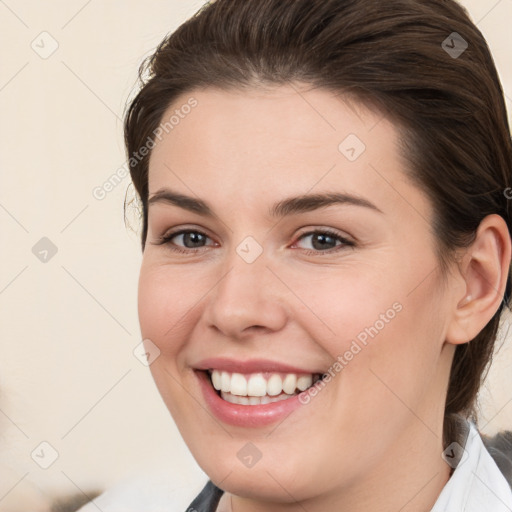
(250, 366)
(245, 415)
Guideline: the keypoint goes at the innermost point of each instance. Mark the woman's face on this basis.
(256, 288)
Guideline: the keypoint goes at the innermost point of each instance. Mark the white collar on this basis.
(477, 484)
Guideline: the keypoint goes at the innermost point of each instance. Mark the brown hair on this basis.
(393, 55)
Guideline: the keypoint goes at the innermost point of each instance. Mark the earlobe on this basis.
(485, 270)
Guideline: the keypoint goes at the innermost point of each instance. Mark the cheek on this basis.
(165, 306)
(376, 321)
(393, 352)
(164, 309)
(339, 305)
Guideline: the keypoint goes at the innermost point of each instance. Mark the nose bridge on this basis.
(245, 296)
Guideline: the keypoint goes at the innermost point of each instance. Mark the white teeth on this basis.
(290, 383)
(266, 400)
(304, 382)
(216, 380)
(253, 400)
(229, 397)
(255, 385)
(238, 385)
(225, 382)
(274, 385)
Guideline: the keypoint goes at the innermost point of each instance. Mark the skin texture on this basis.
(378, 423)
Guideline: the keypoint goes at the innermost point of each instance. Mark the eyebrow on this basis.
(292, 205)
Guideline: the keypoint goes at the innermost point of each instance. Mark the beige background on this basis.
(68, 326)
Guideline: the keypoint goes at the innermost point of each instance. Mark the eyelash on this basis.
(166, 240)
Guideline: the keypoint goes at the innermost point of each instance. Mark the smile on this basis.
(256, 392)
(261, 387)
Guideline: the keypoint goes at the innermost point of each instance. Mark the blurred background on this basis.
(79, 412)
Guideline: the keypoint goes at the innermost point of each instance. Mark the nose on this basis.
(247, 299)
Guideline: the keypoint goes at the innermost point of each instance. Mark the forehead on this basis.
(243, 123)
(248, 145)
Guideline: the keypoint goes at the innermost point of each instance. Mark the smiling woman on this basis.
(326, 251)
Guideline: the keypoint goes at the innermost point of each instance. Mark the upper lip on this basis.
(250, 366)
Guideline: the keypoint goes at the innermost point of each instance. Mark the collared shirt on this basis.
(477, 484)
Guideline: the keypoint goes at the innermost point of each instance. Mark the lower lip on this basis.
(245, 415)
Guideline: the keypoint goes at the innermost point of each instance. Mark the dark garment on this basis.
(207, 500)
(499, 446)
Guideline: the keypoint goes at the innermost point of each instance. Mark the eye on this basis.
(190, 238)
(325, 241)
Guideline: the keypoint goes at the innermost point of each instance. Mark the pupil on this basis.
(323, 239)
(195, 238)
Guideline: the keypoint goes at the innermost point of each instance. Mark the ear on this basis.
(484, 268)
